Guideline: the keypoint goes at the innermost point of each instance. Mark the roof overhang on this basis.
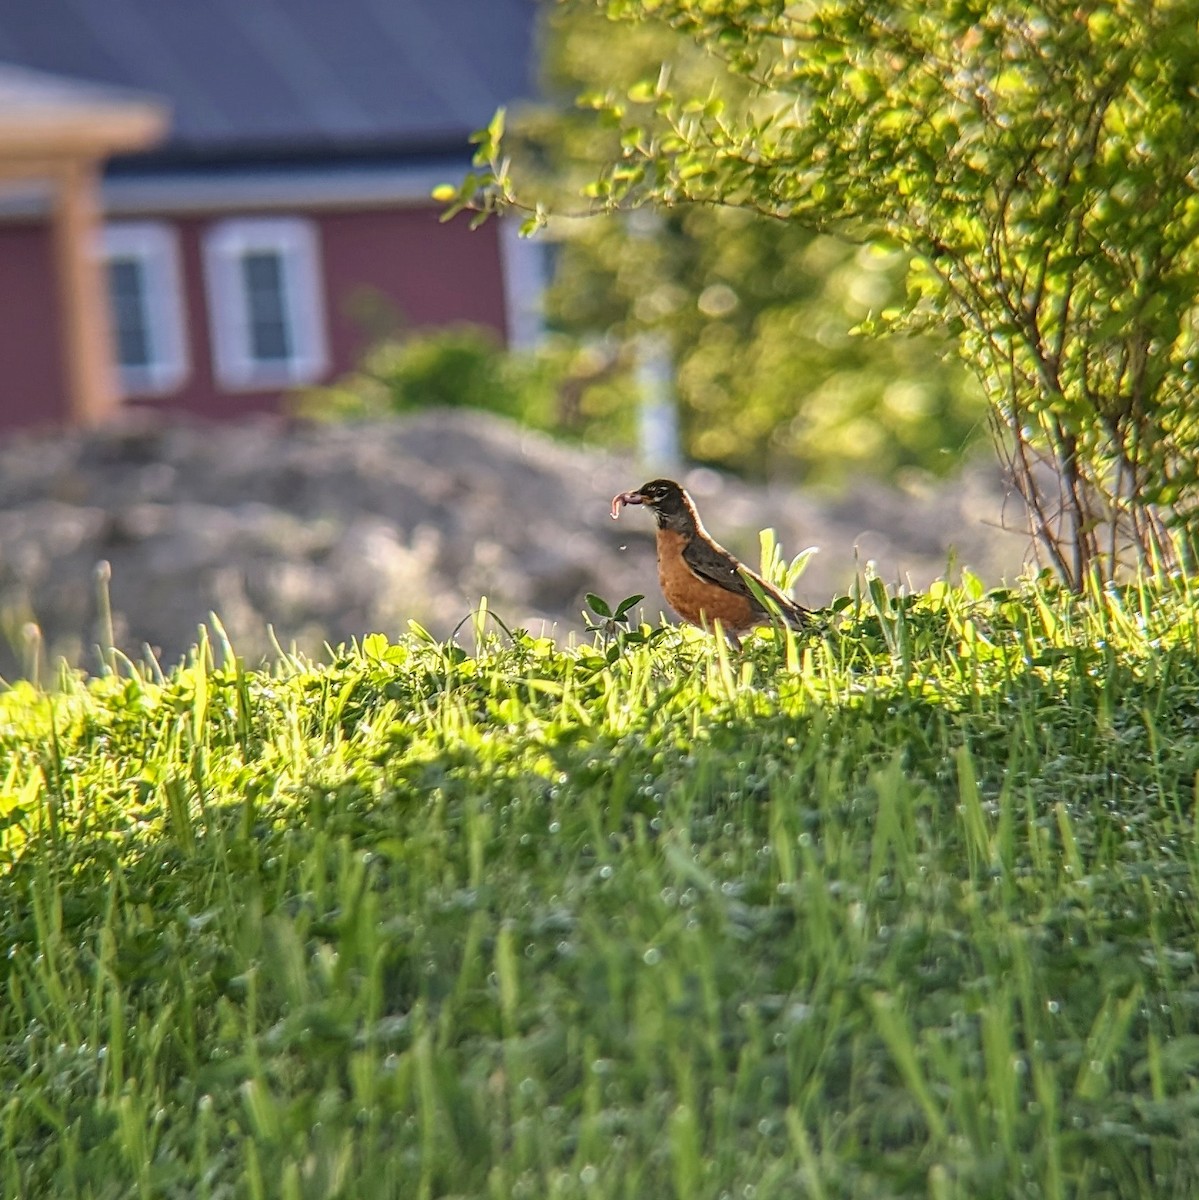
(265, 189)
(334, 186)
(47, 120)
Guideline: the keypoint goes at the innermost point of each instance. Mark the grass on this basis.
(906, 907)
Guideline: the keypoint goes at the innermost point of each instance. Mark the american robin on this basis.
(700, 579)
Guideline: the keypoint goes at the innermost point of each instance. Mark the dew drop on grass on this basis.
(652, 957)
(797, 1012)
(555, 827)
(588, 1175)
(605, 872)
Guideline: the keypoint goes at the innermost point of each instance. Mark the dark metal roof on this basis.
(24, 90)
(299, 79)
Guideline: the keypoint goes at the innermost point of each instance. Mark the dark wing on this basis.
(715, 564)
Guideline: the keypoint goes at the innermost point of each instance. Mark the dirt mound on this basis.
(328, 532)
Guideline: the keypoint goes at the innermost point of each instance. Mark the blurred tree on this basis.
(771, 379)
(1035, 159)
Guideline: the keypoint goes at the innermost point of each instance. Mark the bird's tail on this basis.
(795, 615)
(776, 603)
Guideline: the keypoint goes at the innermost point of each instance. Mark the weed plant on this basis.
(905, 906)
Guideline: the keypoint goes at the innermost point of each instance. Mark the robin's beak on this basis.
(625, 498)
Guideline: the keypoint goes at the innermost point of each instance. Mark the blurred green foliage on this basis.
(561, 387)
(458, 366)
(771, 378)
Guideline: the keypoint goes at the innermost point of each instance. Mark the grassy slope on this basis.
(907, 909)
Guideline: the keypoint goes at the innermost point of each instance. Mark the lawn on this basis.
(902, 907)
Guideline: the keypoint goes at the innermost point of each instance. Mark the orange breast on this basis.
(694, 599)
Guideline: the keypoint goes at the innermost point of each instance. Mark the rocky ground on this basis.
(325, 533)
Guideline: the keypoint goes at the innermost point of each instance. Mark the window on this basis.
(145, 300)
(265, 303)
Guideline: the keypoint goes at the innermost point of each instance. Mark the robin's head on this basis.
(670, 504)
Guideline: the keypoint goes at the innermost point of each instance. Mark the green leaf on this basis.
(623, 607)
(598, 605)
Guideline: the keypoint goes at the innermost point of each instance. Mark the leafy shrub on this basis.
(560, 387)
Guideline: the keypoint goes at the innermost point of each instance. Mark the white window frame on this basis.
(155, 246)
(296, 242)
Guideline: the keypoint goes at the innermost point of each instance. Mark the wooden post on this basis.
(90, 369)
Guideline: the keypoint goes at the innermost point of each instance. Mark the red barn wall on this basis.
(429, 273)
(32, 379)
(433, 274)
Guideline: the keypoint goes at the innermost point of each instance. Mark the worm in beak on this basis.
(624, 498)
